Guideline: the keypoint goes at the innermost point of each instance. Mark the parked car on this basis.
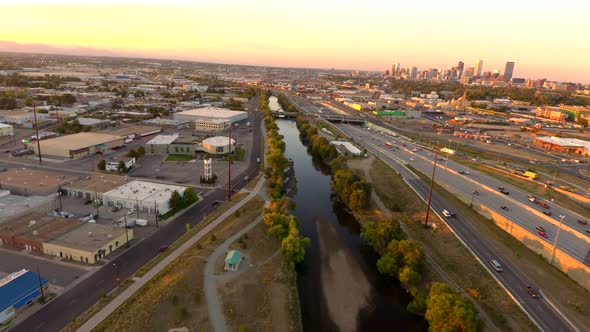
(583, 222)
(116, 208)
(131, 211)
(532, 292)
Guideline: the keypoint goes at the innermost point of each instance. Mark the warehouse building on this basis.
(168, 123)
(18, 289)
(565, 145)
(208, 113)
(144, 196)
(29, 232)
(24, 181)
(212, 124)
(218, 145)
(170, 144)
(77, 145)
(6, 130)
(89, 187)
(14, 206)
(133, 132)
(88, 243)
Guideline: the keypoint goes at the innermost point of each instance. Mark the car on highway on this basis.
(163, 248)
(464, 172)
(532, 198)
(543, 204)
(505, 192)
(532, 292)
(543, 234)
(496, 266)
(547, 213)
(588, 230)
(448, 214)
(504, 207)
(583, 222)
(540, 229)
(475, 192)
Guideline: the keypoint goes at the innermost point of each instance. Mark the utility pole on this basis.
(430, 191)
(40, 285)
(156, 213)
(126, 235)
(117, 271)
(96, 201)
(556, 237)
(59, 196)
(37, 135)
(229, 167)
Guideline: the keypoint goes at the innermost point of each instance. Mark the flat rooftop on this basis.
(13, 205)
(212, 112)
(39, 227)
(32, 180)
(163, 139)
(89, 237)
(98, 183)
(219, 141)
(145, 191)
(138, 130)
(78, 141)
(169, 122)
(565, 141)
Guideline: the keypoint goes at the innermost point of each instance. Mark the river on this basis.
(338, 284)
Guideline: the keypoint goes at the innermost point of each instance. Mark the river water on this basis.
(338, 284)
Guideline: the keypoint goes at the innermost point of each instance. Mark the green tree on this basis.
(132, 154)
(101, 165)
(121, 167)
(448, 311)
(141, 151)
(175, 201)
(378, 234)
(189, 197)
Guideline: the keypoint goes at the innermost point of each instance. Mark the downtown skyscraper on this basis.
(478, 68)
(508, 71)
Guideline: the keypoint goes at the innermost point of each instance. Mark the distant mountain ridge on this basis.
(11, 46)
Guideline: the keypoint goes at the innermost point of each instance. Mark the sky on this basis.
(546, 39)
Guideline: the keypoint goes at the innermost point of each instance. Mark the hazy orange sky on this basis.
(545, 39)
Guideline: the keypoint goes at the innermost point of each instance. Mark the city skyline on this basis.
(314, 35)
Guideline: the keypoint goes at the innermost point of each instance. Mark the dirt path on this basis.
(216, 315)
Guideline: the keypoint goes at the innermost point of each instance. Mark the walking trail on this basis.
(93, 322)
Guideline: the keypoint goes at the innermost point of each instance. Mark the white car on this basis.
(132, 211)
(447, 214)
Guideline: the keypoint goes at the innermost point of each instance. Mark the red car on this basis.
(543, 234)
(543, 204)
(163, 248)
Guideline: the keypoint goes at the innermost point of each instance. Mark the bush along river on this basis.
(339, 286)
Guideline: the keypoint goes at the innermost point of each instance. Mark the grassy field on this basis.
(448, 260)
(179, 157)
(174, 298)
(569, 296)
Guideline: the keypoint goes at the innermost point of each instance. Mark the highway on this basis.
(573, 238)
(511, 278)
(58, 313)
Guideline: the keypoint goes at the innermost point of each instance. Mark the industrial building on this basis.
(132, 132)
(20, 118)
(212, 124)
(6, 130)
(218, 145)
(168, 123)
(207, 113)
(170, 144)
(29, 232)
(144, 196)
(14, 206)
(77, 145)
(88, 243)
(25, 181)
(18, 289)
(95, 185)
(565, 145)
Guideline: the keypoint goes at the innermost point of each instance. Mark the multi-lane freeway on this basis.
(59, 312)
(573, 238)
(541, 312)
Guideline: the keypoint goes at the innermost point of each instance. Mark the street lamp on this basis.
(117, 270)
(561, 217)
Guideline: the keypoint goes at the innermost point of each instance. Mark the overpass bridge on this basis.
(341, 118)
(284, 114)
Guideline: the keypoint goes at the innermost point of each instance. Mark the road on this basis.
(512, 279)
(573, 238)
(59, 312)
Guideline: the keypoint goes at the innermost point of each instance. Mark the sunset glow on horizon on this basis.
(543, 39)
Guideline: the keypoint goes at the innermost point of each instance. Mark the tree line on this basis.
(277, 216)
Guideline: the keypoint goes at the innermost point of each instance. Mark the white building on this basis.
(6, 130)
(113, 166)
(207, 169)
(207, 113)
(218, 145)
(212, 124)
(143, 196)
